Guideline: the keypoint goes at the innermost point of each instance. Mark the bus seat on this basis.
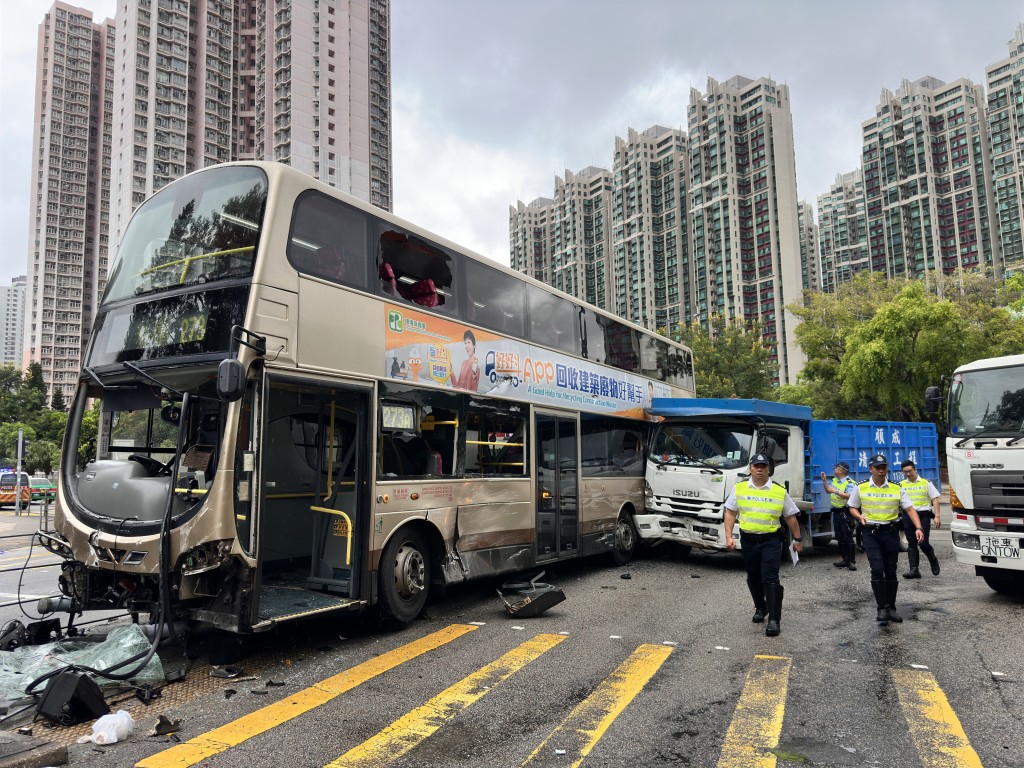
(387, 279)
(424, 293)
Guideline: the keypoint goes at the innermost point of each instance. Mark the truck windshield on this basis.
(726, 446)
(991, 401)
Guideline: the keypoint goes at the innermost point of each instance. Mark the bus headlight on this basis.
(966, 540)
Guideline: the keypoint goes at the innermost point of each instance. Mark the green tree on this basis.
(730, 360)
(49, 425)
(909, 343)
(9, 441)
(42, 456)
(57, 400)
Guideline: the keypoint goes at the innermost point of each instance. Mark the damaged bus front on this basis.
(153, 504)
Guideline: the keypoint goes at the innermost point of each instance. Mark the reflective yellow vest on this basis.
(918, 493)
(840, 485)
(879, 505)
(760, 508)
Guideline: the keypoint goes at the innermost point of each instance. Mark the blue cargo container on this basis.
(831, 441)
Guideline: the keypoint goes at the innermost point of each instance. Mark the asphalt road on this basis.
(653, 664)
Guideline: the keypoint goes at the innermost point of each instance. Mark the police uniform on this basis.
(879, 505)
(921, 493)
(842, 523)
(760, 511)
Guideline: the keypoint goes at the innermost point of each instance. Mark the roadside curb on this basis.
(18, 751)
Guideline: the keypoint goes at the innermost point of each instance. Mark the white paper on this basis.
(793, 554)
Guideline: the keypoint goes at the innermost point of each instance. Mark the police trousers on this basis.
(762, 554)
(882, 546)
(842, 525)
(926, 527)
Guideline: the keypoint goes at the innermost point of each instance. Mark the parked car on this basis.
(42, 488)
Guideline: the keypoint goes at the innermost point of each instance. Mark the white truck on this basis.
(701, 448)
(985, 458)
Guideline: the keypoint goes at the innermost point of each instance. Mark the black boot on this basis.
(851, 552)
(760, 607)
(773, 595)
(933, 561)
(881, 600)
(891, 588)
(845, 552)
(914, 557)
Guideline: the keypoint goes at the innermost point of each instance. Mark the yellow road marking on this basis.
(411, 729)
(262, 720)
(587, 723)
(757, 722)
(938, 736)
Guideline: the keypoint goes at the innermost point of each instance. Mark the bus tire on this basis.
(404, 576)
(625, 539)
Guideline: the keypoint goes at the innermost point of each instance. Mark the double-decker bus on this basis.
(306, 404)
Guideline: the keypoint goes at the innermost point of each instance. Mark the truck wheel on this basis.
(404, 577)
(625, 540)
(1005, 585)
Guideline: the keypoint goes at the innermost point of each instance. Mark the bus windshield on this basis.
(200, 229)
(990, 400)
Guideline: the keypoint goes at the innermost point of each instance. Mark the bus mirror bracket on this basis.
(231, 371)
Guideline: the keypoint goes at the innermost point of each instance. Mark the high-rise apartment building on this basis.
(810, 265)
(616, 239)
(305, 82)
(69, 240)
(743, 212)
(927, 179)
(562, 240)
(842, 230)
(649, 242)
(12, 320)
(1006, 127)
(184, 85)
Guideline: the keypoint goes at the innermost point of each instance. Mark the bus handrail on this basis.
(347, 534)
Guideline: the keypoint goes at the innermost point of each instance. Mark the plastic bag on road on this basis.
(110, 729)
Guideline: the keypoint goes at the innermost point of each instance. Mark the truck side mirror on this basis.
(932, 400)
(230, 380)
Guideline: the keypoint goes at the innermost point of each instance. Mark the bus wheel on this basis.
(404, 576)
(625, 540)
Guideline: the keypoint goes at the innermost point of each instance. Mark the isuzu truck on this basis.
(701, 448)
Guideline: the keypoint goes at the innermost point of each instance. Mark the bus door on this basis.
(314, 499)
(557, 441)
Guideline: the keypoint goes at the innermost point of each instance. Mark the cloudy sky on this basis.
(492, 99)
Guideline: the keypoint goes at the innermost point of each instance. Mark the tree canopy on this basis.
(729, 360)
(874, 345)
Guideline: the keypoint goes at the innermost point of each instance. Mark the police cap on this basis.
(843, 466)
(878, 460)
(760, 458)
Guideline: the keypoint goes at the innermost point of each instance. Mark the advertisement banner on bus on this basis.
(425, 349)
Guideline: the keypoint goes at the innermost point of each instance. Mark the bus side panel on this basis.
(339, 331)
(603, 498)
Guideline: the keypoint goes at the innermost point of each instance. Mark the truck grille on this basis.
(998, 492)
(702, 510)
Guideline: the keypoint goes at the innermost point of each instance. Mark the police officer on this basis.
(925, 498)
(761, 505)
(876, 505)
(839, 488)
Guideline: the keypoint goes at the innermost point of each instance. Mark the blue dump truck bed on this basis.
(831, 441)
